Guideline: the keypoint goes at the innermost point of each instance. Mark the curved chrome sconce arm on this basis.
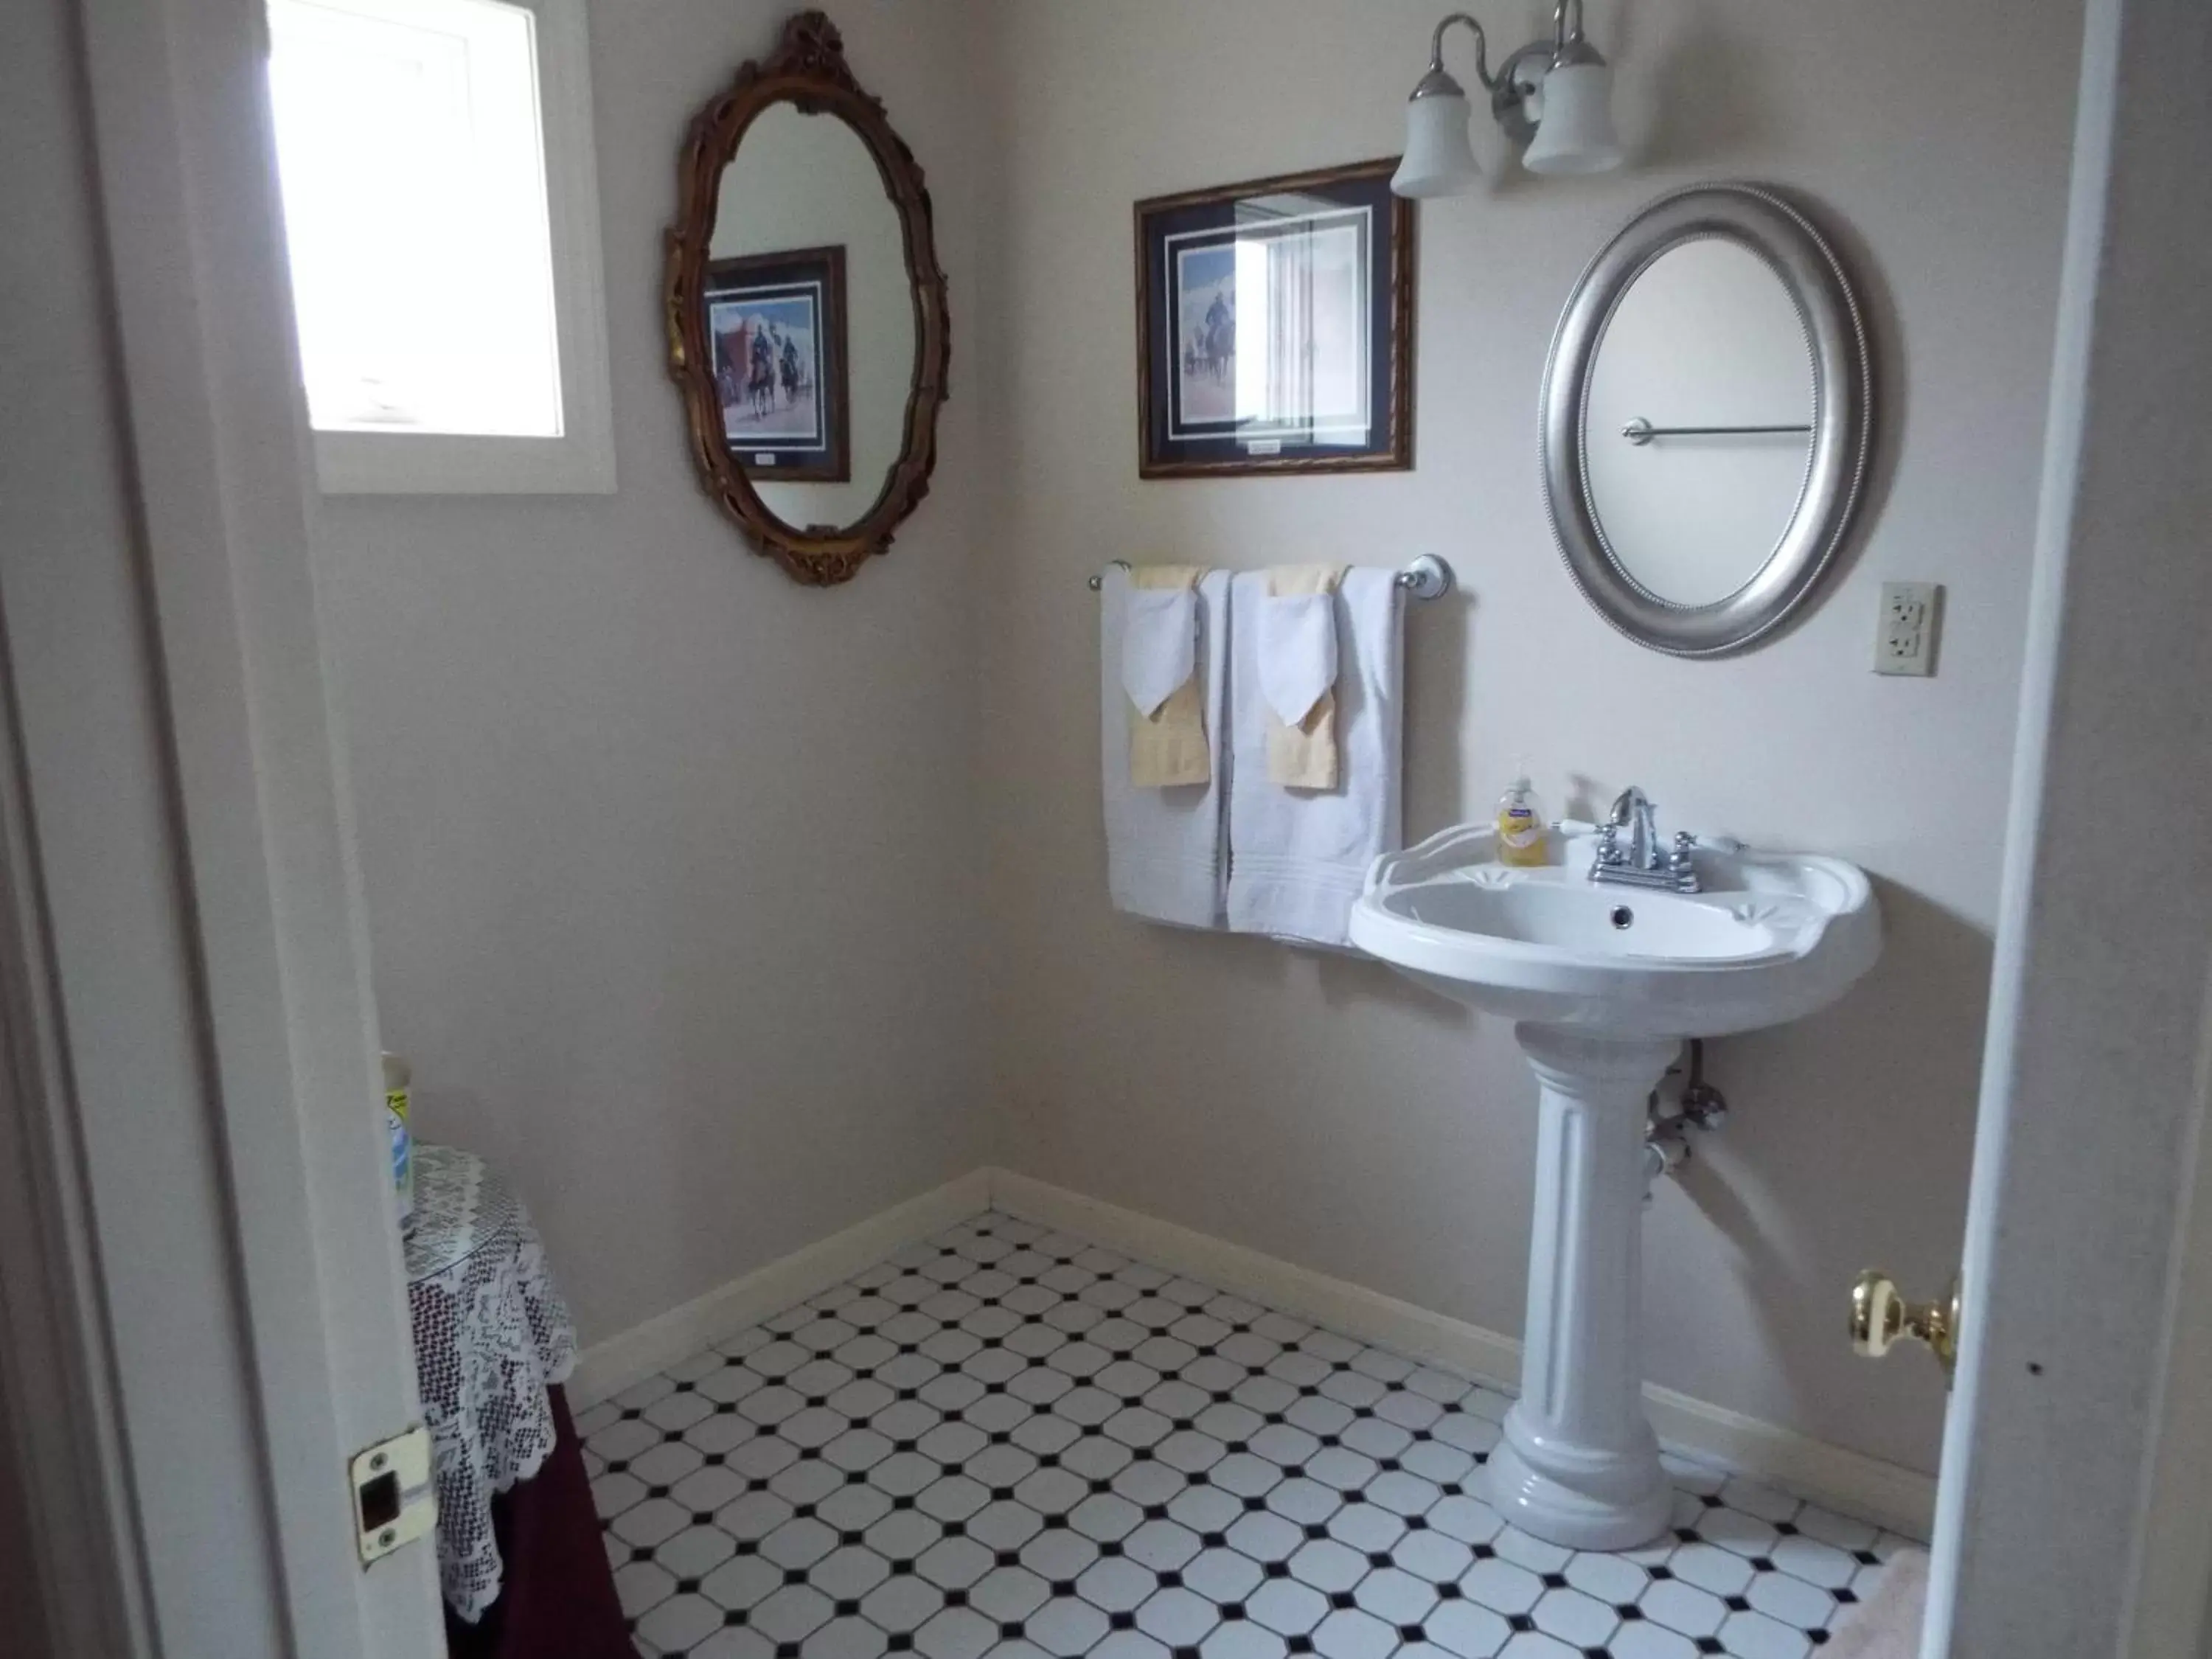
(1439, 83)
(1568, 45)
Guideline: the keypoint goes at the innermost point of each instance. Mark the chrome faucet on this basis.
(1643, 862)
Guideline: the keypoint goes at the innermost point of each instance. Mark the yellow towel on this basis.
(1303, 756)
(1168, 747)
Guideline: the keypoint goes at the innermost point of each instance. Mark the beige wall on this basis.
(1319, 1108)
(721, 913)
(668, 858)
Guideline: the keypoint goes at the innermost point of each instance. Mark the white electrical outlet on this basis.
(1904, 637)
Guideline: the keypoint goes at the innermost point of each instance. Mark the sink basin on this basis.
(1602, 982)
(1771, 938)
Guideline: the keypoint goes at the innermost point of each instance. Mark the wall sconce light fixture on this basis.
(1554, 98)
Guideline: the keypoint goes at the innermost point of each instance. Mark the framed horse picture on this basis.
(1275, 326)
(776, 325)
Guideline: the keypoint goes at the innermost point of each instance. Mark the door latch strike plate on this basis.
(393, 1504)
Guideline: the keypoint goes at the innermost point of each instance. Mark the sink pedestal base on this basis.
(1578, 1465)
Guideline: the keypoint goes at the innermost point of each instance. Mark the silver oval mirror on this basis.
(1707, 419)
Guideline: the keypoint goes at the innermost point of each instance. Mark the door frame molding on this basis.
(203, 1089)
(2092, 1094)
(57, 1380)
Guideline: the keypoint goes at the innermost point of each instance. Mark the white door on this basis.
(202, 1310)
(2061, 1442)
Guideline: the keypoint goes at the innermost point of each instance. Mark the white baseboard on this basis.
(1870, 1487)
(1880, 1491)
(1341, 1306)
(609, 1367)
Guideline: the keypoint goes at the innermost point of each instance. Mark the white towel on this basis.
(1299, 857)
(1159, 644)
(1165, 857)
(1297, 653)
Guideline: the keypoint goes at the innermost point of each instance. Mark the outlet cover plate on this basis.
(1907, 627)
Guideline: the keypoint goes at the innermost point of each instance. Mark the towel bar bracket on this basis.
(1428, 578)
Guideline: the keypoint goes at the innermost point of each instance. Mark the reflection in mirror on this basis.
(1698, 421)
(809, 317)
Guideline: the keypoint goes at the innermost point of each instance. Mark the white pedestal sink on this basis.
(1603, 982)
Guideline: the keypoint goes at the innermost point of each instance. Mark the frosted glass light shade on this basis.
(1438, 160)
(1576, 134)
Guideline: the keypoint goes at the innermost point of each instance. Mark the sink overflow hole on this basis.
(1622, 916)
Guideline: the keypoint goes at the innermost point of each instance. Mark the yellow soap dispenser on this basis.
(1521, 832)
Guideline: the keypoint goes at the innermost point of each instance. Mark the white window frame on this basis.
(582, 461)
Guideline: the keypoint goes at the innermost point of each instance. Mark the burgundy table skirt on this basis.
(556, 1595)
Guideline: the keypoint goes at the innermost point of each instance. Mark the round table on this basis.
(491, 1336)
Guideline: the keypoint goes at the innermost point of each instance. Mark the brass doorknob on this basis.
(1881, 1318)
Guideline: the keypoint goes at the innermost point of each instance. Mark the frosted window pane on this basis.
(409, 142)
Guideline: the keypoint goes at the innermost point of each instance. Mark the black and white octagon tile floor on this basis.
(1013, 1443)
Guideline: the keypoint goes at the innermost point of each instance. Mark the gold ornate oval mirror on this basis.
(806, 319)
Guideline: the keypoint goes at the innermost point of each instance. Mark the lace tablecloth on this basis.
(491, 1335)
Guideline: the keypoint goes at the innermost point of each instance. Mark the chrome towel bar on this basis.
(1428, 578)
